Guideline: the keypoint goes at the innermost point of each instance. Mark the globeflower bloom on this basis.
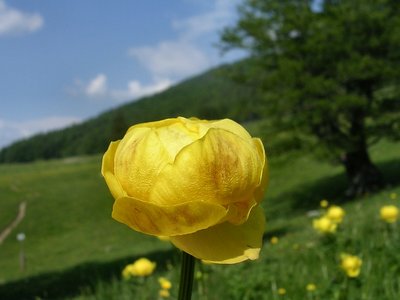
(335, 214)
(274, 240)
(140, 268)
(324, 225)
(351, 264)
(311, 287)
(164, 283)
(197, 182)
(281, 291)
(324, 203)
(389, 213)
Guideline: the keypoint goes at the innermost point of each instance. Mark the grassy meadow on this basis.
(74, 250)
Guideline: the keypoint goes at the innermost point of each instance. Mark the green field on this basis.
(74, 250)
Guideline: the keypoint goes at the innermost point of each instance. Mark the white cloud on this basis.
(11, 131)
(136, 90)
(13, 21)
(186, 55)
(219, 16)
(171, 59)
(97, 86)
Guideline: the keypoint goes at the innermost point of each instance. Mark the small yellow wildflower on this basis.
(335, 214)
(393, 196)
(274, 240)
(140, 268)
(311, 287)
(127, 272)
(324, 225)
(324, 203)
(351, 264)
(281, 291)
(164, 283)
(389, 213)
(164, 293)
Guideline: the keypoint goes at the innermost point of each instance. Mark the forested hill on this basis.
(209, 95)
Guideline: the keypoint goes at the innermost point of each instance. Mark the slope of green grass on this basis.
(75, 250)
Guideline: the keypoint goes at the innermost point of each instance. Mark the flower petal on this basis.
(264, 179)
(231, 126)
(226, 243)
(107, 170)
(220, 168)
(169, 220)
(139, 158)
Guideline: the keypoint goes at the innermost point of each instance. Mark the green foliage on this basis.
(209, 96)
(330, 74)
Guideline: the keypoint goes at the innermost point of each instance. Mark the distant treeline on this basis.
(210, 95)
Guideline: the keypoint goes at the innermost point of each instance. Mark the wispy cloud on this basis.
(185, 55)
(97, 86)
(13, 21)
(135, 89)
(171, 59)
(221, 14)
(11, 131)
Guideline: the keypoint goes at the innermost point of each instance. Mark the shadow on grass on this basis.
(70, 282)
(308, 195)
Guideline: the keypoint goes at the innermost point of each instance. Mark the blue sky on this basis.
(64, 61)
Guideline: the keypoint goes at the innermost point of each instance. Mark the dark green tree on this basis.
(329, 71)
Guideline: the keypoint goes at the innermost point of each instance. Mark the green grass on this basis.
(74, 250)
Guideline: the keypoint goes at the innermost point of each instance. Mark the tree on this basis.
(329, 70)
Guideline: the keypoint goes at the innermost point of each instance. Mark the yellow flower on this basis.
(389, 213)
(274, 240)
(164, 283)
(311, 287)
(197, 182)
(140, 268)
(351, 264)
(164, 293)
(324, 225)
(393, 196)
(335, 214)
(281, 291)
(324, 203)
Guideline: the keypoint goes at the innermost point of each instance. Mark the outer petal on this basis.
(264, 179)
(107, 170)
(220, 168)
(226, 243)
(231, 126)
(168, 220)
(139, 159)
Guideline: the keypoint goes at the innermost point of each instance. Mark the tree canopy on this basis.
(329, 70)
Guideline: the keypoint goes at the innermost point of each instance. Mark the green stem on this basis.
(187, 273)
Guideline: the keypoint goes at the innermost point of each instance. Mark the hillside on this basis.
(209, 95)
(75, 250)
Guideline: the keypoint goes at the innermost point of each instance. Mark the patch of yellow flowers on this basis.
(329, 221)
(351, 264)
(140, 268)
(389, 213)
(165, 285)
